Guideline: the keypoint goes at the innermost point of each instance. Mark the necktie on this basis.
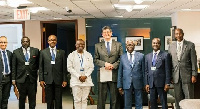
(5, 62)
(179, 51)
(26, 56)
(52, 55)
(108, 47)
(130, 58)
(154, 59)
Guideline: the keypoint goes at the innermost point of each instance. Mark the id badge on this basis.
(81, 69)
(153, 68)
(53, 62)
(26, 63)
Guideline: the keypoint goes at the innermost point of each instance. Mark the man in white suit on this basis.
(80, 65)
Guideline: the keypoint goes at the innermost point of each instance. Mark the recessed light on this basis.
(185, 9)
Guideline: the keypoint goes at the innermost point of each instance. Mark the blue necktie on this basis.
(130, 58)
(52, 55)
(108, 47)
(154, 59)
(5, 62)
(26, 56)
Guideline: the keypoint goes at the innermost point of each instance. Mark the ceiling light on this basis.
(2, 3)
(57, 18)
(16, 3)
(138, 1)
(186, 9)
(36, 9)
(129, 8)
(119, 16)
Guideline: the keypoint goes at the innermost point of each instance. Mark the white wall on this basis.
(189, 22)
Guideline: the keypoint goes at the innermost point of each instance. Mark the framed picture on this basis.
(172, 29)
(138, 40)
(101, 39)
(168, 40)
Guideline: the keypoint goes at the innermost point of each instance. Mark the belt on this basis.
(6, 75)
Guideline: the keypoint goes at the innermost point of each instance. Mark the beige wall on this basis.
(189, 22)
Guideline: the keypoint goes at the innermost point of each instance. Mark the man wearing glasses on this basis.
(5, 73)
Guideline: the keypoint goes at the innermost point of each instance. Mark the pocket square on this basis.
(34, 56)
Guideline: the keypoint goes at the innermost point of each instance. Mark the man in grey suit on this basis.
(107, 54)
(5, 73)
(157, 74)
(25, 64)
(131, 76)
(52, 73)
(184, 67)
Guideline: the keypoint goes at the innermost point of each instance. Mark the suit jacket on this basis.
(101, 56)
(52, 72)
(128, 74)
(9, 54)
(187, 66)
(19, 68)
(161, 75)
(73, 66)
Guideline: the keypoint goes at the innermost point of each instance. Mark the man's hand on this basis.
(121, 92)
(42, 84)
(194, 80)
(64, 84)
(166, 88)
(147, 88)
(108, 66)
(82, 78)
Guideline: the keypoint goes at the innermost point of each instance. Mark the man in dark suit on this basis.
(52, 73)
(5, 73)
(107, 54)
(25, 64)
(184, 67)
(131, 76)
(157, 74)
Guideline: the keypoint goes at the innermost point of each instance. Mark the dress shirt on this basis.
(110, 43)
(133, 57)
(181, 44)
(54, 50)
(28, 51)
(4, 63)
(81, 58)
(156, 54)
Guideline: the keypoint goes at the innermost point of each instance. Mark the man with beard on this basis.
(52, 73)
(131, 76)
(80, 65)
(157, 74)
(25, 64)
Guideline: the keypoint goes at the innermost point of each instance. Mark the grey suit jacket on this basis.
(52, 72)
(9, 54)
(19, 68)
(187, 66)
(101, 56)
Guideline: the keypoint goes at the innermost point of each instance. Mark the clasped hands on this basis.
(82, 78)
(108, 66)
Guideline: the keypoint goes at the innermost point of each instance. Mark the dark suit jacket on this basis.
(128, 75)
(187, 64)
(9, 54)
(162, 74)
(19, 68)
(49, 72)
(102, 56)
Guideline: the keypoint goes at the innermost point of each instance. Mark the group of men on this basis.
(131, 72)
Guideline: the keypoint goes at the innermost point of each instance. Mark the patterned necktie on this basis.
(131, 58)
(52, 55)
(26, 56)
(5, 62)
(179, 51)
(154, 59)
(108, 47)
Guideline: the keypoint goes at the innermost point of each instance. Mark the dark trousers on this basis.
(53, 91)
(5, 87)
(30, 89)
(154, 92)
(102, 95)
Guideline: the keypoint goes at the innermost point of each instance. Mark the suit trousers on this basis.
(53, 92)
(154, 92)
(80, 94)
(5, 87)
(103, 87)
(128, 98)
(183, 91)
(30, 89)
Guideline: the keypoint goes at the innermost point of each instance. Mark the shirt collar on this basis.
(131, 53)
(181, 43)
(3, 50)
(28, 49)
(52, 48)
(109, 41)
(156, 52)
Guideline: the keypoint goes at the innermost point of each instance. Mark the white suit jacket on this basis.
(74, 66)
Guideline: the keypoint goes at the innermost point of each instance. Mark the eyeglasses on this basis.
(3, 42)
(52, 40)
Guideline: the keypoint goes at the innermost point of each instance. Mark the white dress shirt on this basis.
(28, 51)
(4, 63)
(54, 50)
(110, 43)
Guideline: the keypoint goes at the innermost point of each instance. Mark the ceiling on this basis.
(101, 9)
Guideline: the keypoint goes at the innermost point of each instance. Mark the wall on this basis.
(160, 27)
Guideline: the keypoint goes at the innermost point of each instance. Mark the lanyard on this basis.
(81, 60)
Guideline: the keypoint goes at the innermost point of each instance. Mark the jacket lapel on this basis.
(103, 47)
(48, 53)
(22, 54)
(135, 58)
(57, 53)
(183, 49)
(158, 57)
(113, 47)
(31, 54)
